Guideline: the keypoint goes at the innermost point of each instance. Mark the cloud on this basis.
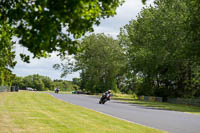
(128, 11)
(43, 66)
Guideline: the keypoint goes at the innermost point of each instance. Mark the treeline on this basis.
(162, 46)
(157, 54)
(42, 83)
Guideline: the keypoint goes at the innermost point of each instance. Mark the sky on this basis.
(128, 11)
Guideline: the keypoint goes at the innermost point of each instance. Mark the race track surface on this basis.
(170, 121)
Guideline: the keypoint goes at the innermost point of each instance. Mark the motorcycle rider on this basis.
(106, 95)
(56, 90)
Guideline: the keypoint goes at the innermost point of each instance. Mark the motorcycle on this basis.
(104, 98)
(57, 91)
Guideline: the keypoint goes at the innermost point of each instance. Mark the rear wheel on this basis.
(104, 101)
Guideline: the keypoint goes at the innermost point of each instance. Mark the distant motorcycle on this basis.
(57, 91)
(104, 98)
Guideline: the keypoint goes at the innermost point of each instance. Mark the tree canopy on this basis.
(7, 55)
(99, 63)
(44, 26)
(162, 48)
(42, 83)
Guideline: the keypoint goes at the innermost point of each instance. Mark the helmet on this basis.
(109, 91)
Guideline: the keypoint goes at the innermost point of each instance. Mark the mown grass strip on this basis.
(161, 105)
(33, 112)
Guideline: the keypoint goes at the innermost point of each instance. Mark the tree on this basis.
(44, 26)
(193, 28)
(37, 82)
(48, 83)
(42, 83)
(76, 81)
(64, 85)
(100, 63)
(7, 55)
(18, 82)
(157, 46)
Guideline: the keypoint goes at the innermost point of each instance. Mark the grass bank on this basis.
(160, 105)
(33, 112)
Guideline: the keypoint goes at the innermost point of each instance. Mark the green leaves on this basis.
(100, 62)
(7, 55)
(159, 48)
(143, 1)
(25, 58)
(42, 83)
(39, 24)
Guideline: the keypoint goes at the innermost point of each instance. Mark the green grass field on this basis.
(159, 105)
(34, 112)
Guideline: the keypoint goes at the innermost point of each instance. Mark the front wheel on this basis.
(104, 101)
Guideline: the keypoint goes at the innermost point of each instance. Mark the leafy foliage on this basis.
(100, 63)
(42, 83)
(159, 49)
(65, 85)
(7, 56)
(39, 23)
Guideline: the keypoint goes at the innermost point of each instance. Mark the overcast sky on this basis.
(129, 10)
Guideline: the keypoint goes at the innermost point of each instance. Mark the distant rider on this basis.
(107, 94)
(56, 90)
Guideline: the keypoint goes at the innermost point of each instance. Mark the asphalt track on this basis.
(170, 121)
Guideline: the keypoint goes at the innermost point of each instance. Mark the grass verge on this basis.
(33, 112)
(158, 105)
